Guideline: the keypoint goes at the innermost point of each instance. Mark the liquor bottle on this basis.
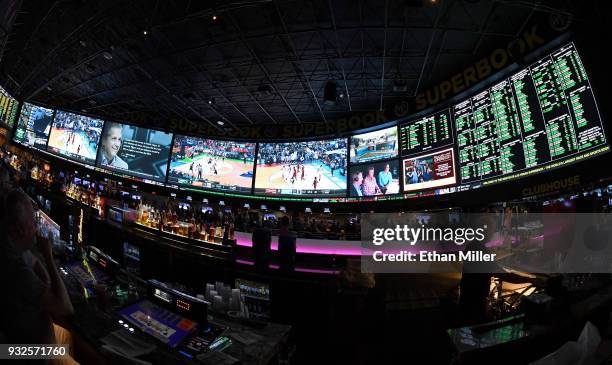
(219, 231)
(211, 233)
(145, 214)
(231, 233)
(225, 233)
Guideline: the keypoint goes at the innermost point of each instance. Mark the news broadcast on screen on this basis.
(135, 151)
(374, 178)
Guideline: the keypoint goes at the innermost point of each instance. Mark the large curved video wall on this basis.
(542, 116)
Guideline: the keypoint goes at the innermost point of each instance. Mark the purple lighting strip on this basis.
(309, 246)
(297, 269)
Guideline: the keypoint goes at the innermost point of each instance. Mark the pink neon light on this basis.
(310, 246)
(298, 269)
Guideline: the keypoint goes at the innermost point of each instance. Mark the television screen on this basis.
(375, 178)
(426, 133)
(25, 137)
(540, 117)
(34, 125)
(135, 151)
(429, 171)
(8, 108)
(75, 136)
(374, 146)
(302, 168)
(207, 163)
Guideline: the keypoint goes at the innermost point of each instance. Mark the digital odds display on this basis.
(541, 114)
(134, 151)
(426, 133)
(432, 170)
(212, 164)
(75, 136)
(374, 146)
(8, 108)
(302, 168)
(34, 125)
(374, 178)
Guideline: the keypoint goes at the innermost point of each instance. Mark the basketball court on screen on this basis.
(281, 176)
(72, 142)
(230, 172)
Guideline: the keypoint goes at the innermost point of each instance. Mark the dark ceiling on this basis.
(247, 62)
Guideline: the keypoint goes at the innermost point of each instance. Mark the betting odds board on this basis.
(543, 113)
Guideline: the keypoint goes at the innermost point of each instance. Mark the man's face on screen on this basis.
(112, 142)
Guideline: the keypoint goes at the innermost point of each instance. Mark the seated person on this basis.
(370, 187)
(356, 187)
(37, 292)
(384, 179)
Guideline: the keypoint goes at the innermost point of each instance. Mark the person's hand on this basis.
(41, 272)
(45, 245)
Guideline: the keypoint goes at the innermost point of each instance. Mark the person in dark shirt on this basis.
(37, 292)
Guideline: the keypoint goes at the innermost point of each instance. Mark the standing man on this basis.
(356, 186)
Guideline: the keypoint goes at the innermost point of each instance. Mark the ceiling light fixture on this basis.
(220, 122)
